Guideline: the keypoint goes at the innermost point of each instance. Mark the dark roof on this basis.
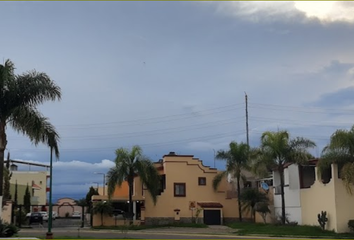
(210, 204)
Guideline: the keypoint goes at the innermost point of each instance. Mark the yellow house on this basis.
(186, 194)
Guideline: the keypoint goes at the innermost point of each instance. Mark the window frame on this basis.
(202, 183)
(174, 189)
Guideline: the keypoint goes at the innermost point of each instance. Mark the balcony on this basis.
(34, 200)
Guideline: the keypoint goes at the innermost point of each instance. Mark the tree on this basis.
(103, 208)
(128, 165)
(27, 200)
(249, 198)
(340, 151)
(276, 150)
(88, 198)
(20, 95)
(15, 197)
(81, 202)
(236, 161)
(263, 209)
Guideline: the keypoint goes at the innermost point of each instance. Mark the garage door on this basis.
(212, 217)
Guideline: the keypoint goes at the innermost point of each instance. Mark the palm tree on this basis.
(128, 165)
(340, 150)
(236, 161)
(20, 96)
(277, 149)
(103, 208)
(249, 198)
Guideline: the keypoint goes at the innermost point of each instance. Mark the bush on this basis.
(351, 225)
(7, 230)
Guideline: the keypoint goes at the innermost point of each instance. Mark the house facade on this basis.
(37, 183)
(307, 194)
(186, 194)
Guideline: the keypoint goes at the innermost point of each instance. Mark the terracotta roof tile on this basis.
(210, 204)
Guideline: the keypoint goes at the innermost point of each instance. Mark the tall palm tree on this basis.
(103, 208)
(276, 150)
(236, 161)
(340, 150)
(128, 165)
(20, 96)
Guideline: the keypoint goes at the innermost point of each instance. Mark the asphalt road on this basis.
(114, 234)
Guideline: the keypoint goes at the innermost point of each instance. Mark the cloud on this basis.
(73, 178)
(341, 98)
(300, 11)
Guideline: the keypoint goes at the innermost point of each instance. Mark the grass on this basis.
(286, 230)
(141, 227)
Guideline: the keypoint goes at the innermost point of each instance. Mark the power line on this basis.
(151, 132)
(166, 118)
(305, 109)
(207, 137)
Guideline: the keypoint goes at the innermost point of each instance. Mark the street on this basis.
(116, 234)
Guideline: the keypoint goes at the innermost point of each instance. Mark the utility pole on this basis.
(247, 132)
(214, 157)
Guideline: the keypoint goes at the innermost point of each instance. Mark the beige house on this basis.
(65, 207)
(186, 194)
(306, 195)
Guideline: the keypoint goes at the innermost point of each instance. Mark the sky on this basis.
(172, 76)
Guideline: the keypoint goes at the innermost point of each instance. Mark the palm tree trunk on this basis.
(283, 215)
(239, 198)
(102, 218)
(3, 143)
(131, 182)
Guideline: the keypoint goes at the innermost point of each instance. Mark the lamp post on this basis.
(49, 233)
(104, 181)
(97, 185)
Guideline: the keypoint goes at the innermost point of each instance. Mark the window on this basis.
(201, 181)
(180, 189)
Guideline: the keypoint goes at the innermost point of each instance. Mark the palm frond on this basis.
(116, 176)
(149, 177)
(218, 178)
(347, 175)
(29, 121)
(34, 88)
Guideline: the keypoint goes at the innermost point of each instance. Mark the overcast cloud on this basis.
(171, 76)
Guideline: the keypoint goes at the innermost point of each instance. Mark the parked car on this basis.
(76, 214)
(35, 217)
(44, 215)
(54, 215)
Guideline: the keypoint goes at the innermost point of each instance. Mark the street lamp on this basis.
(104, 181)
(97, 185)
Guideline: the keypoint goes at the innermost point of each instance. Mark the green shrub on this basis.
(351, 225)
(7, 230)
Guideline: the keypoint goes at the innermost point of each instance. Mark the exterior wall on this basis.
(291, 194)
(7, 212)
(21, 189)
(185, 169)
(39, 197)
(331, 197)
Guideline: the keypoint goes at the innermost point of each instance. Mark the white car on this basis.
(54, 215)
(76, 214)
(44, 215)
